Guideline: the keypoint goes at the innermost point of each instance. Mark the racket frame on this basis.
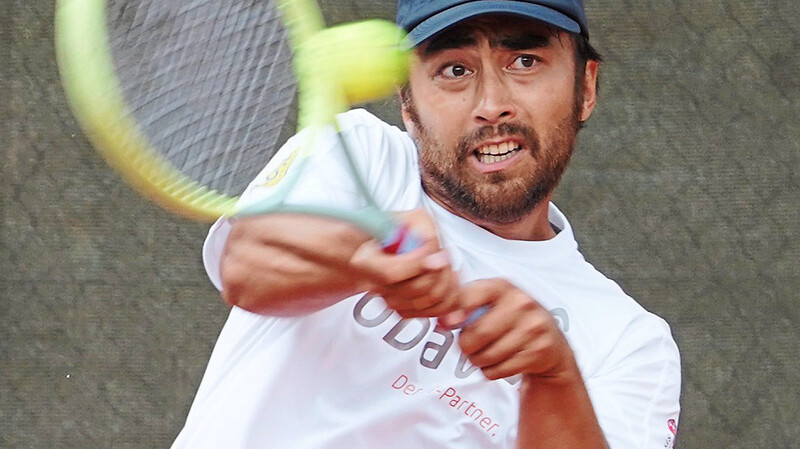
(97, 100)
(98, 103)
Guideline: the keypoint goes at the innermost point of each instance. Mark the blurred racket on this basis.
(189, 99)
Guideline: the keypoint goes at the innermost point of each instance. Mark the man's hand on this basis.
(420, 283)
(287, 265)
(516, 335)
(519, 336)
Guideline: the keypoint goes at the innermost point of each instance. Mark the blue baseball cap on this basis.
(424, 18)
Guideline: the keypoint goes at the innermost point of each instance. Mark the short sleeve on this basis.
(383, 155)
(636, 395)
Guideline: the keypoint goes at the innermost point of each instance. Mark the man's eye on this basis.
(455, 71)
(523, 62)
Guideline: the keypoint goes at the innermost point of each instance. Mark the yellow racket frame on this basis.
(94, 93)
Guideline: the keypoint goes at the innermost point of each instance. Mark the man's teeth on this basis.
(490, 154)
(499, 148)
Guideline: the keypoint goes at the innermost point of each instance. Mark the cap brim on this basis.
(449, 17)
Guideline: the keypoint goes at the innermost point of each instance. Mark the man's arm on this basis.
(518, 336)
(286, 265)
(557, 413)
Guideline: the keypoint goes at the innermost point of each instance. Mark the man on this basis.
(334, 343)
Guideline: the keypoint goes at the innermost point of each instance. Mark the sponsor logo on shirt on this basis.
(408, 334)
(278, 174)
(451, 397)
(672, 425)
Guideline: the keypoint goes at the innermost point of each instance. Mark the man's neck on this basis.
(533, 227)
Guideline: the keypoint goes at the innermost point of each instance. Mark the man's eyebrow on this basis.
(449, 42)
(452, 41)
(522, 42)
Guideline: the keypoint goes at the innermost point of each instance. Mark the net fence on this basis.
(684, 189)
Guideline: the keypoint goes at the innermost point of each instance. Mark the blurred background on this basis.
(685, 189)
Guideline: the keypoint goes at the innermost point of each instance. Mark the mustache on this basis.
(524, 133)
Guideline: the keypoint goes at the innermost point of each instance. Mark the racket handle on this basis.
(401, 240)
(475, 315)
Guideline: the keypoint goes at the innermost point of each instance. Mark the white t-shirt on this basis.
(355, 375)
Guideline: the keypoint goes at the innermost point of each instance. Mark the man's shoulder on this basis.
(378, 143)
(386, 157)
(362, 118)
(600, 303)
(613, 325)
(603, 298)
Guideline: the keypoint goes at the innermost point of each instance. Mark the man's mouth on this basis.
(497, 152)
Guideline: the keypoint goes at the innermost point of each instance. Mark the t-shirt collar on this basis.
(466, 234)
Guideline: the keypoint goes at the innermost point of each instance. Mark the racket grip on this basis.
(401, 240)
(475, 315)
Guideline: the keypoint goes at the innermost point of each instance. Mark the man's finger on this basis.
(385, 269)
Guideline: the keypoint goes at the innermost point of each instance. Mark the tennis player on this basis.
(334, 343)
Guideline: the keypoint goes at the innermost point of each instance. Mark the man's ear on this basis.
(411, 129)
(589, 89)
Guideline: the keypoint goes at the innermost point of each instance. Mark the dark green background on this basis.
(684, 189)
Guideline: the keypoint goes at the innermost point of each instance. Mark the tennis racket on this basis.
(189, 99)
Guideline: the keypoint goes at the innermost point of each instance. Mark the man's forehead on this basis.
(505, 31)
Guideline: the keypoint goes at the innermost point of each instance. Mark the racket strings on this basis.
(226, 112)
(243, 88)
(277, 55)
(169, 105)
(210, 83)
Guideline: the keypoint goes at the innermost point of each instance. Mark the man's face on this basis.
(495, 106)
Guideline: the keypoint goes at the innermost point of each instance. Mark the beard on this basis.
(498, 197)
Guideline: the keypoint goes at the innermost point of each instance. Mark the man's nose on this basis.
(495, 100)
